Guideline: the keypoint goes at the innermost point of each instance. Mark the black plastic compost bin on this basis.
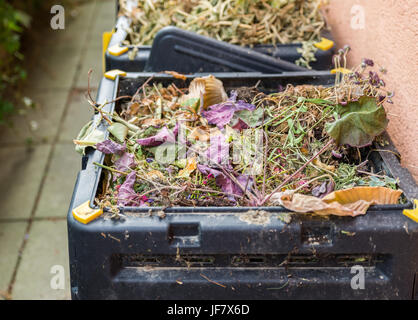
(222, 253)
(286, 52)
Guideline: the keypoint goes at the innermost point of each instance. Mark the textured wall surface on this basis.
(387, 32)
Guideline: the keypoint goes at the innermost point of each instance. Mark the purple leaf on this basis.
(330, 187)
(221, 114)
(240, 125)
(127, 194)
(234, 96)
(225, 183)
(336, 154)
(176, 129)
(206, 170)
(164, 135)
(229, 186)
(110, 147)
(126, 161)
(242, 179)
(323, 189)
(319, 190)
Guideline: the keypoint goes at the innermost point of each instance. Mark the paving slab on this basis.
(11, 238)
(21, 173)
(106, 10)
(92, 60)
(53, 68)
(59, 183)
(79, 112)
(72, 36)
(57, 79)
(81, 14)
(39, 124)
(46, 247)
(104, 20)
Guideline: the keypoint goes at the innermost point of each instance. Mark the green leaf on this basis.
(192, 103)
(119, 131)
(376, 182)
(83, 132)
(148, 132)
(303, 108)
(251, 118)
(139, 152)
(359, 123)
(89, 136)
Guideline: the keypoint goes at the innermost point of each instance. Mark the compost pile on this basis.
(203, 146)
(241, 22)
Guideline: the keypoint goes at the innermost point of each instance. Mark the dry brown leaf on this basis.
(190, 167)
(323, 166)
(152, 122)
(182, 115)
(210, 88)
(156, 175)
(377, 195)
(350, 202)
(177, 75)
(133, 108)
(200, 134)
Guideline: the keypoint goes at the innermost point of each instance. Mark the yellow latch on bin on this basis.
(412, 213)
(85, 214)
(112, 74)
(117, 50)
(325, 44)
(105, 43)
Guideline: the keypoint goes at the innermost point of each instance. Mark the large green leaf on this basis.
(88, 137)
(119, 131)
(360, 122)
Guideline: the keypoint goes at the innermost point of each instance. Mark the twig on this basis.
(218, 192)
(263, 192)
(92, 102)
(370, 174)
(214, 282)
(141, 87)
(312, 181)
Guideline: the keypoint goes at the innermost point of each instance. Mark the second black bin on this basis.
(137, 62)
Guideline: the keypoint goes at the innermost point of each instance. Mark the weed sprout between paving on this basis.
(297, 153)
(240, 22)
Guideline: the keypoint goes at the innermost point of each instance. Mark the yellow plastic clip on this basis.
(85, 214)
(341, 70)
(117, 50)
(105, 43)
(412, 213)
(325, 44)
(112, 74)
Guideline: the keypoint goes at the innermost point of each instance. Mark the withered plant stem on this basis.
(324, 148)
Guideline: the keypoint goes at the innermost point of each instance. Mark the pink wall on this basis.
(389, 36)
